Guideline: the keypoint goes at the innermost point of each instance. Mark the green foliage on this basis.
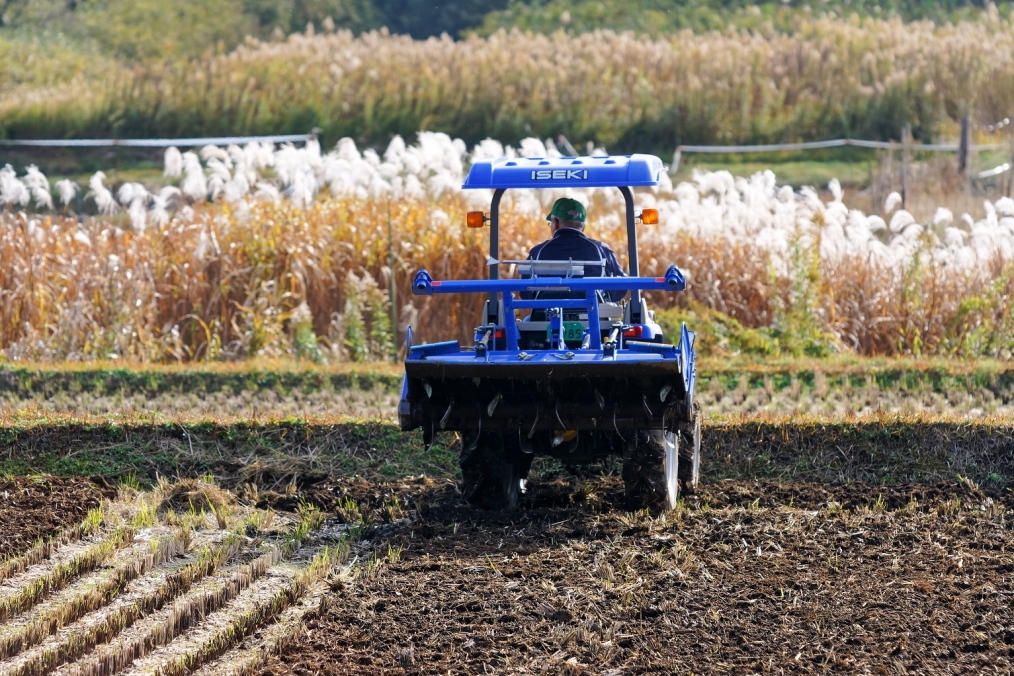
(304, 339)
(798, 326)
(294, 15)
(355, 331)
(983, 325)
(717, 334)
(797, 330)
(381, 338)
(142, 30)
(661, 17)
(424, 18)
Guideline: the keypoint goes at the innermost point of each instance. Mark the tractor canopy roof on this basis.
(600, 171)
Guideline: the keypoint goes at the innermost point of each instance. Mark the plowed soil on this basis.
(34, 507)
(748, 577)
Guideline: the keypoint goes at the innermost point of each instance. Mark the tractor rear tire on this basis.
(651, 470)
(689, 444)
(493, 472)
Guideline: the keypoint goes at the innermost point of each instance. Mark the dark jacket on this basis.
(572, 244)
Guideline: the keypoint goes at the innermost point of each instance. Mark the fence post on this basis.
(964, 145)
(1010, 172)
(906, 142)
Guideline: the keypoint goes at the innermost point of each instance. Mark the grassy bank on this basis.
(881, 449)
(726, 386)
(828, 78)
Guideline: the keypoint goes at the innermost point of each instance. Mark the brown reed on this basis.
(89, 290)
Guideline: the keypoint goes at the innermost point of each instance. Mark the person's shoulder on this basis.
(601, 245)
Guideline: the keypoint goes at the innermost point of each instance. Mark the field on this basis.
(748, 575)
(854, 516)
(201, 468)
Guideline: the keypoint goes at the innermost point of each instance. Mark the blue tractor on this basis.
(557, 369)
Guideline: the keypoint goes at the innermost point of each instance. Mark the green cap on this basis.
(568, 209)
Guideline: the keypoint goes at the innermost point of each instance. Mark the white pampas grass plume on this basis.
(160, 205)
(215, 186)
(836, 191)
(12, 190)
(138, 216)
(236, 188)
(1005, 207)
(35, 231)
(901, 220)
(203, 243)
(132, 192)
(267, 192)
(104, 199)
(303, 189)
(67, 189)
(892, 202)
(209, 153)
(220, 169)
(38, 186)
(81, 237)
(242, 212)
(135, 197)
(195, 185)
(173, 162)
(943, 217)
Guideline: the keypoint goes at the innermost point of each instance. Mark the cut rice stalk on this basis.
(77, 641)
(152, 553)
(39, 588)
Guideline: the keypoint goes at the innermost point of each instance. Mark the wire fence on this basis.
(677, 156)
(157, 142)
(858, 143)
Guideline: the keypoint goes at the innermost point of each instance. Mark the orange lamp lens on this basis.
(649, 216)
(475, 219)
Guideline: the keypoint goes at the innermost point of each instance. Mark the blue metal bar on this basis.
(633, 270)
(556, 341)
(510, 322)
(549, 304)
(594, 330)
(425, 285)
(494, 252)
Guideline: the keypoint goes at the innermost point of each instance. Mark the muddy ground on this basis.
(37, 507)
(747, 577)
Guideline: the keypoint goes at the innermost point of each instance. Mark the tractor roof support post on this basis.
(493, 309)
(635, 295)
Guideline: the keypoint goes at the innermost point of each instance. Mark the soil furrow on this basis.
(28, 589)
(164, 625)
(90, 592)
(142, 597)
(223, 626)
(247, 657)
(746, 577)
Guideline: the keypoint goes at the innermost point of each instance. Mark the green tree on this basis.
(294, 15)
(426, 18)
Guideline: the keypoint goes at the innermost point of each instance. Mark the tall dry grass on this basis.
(214, 288)
(831, 77)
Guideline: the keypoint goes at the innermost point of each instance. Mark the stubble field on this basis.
(747, 576)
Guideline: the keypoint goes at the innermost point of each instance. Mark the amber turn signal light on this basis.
(475, 219)
(649, 216)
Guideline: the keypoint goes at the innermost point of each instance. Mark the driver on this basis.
(567, 220)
